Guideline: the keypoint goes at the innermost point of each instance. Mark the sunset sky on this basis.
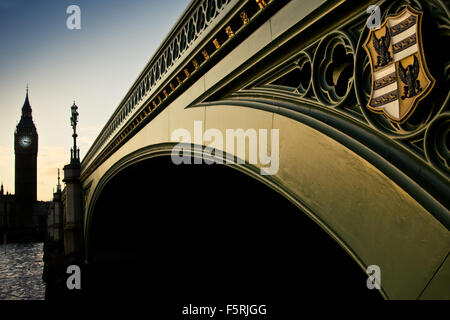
(95, 66)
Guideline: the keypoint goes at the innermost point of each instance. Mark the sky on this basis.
(93, 66)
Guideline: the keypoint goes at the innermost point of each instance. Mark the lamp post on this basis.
(75, 152)
(73, 221)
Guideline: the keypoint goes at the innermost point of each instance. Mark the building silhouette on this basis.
(26, 150)
(7, 208)
(21, 214)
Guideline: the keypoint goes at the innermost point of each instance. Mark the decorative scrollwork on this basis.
(437, 142)
(298, 75)
(305, 66)
(333, 69)
(341, 78)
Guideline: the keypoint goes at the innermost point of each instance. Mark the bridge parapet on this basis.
(197, 37)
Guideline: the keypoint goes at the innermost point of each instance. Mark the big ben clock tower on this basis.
(26, 149)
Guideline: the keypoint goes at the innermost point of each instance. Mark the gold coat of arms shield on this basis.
(400, 77)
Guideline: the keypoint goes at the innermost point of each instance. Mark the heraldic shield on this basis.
(400, 77)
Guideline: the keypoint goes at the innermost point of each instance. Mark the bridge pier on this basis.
(73, 232)
(64, 244)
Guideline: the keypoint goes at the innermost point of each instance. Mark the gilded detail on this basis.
(229, 32)
(405, 43)
(261, 3)
(195, 63)
(387, 80)
(409, 75)
(386, 98)
(216, 43)
(400, 75)
(205, 54)
(381, 46)
(402, 26)
(244, 17)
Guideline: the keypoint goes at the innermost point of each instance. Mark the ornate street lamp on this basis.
(74, 152)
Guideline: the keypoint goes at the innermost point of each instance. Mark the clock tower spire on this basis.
(26, 149)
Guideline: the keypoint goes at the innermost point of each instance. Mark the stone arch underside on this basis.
(375, 220)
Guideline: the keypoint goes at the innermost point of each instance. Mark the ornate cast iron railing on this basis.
(198, 37)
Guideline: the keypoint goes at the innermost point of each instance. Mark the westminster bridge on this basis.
(371, 182)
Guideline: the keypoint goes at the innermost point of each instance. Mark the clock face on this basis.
(25, 141)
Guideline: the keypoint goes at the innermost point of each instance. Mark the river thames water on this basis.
(21, 272)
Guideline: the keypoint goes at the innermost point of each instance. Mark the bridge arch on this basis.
(316, 168)
(258, 240)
